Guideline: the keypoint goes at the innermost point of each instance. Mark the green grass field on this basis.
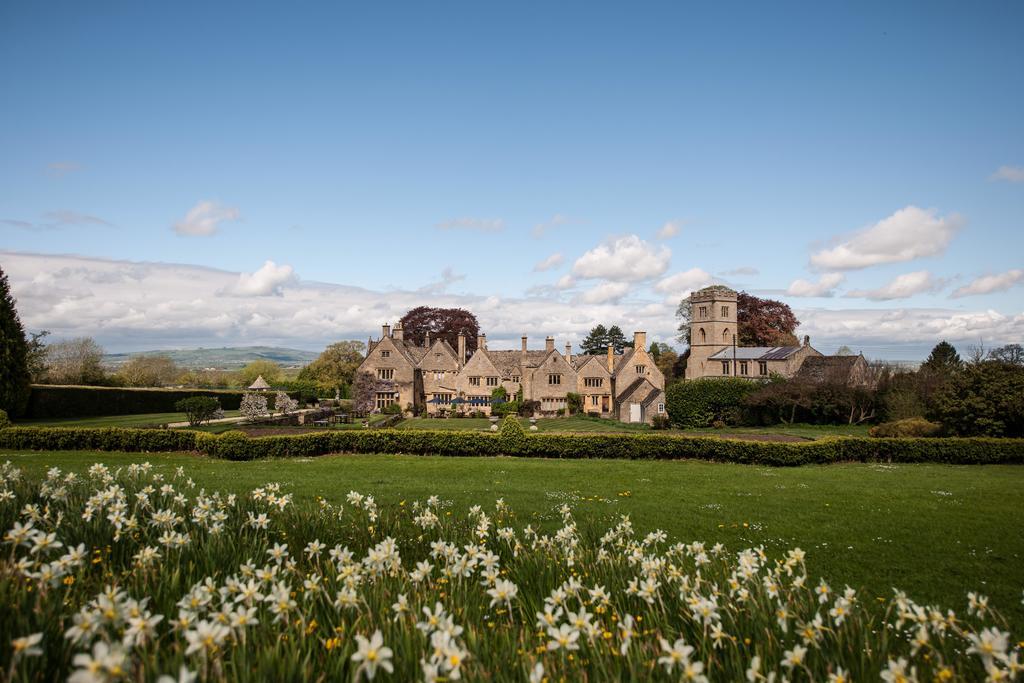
(143, 420)
(935, 531)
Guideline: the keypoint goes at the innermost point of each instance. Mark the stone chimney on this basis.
(426, 340)
(611, 358)
(462, 349)
(524, 343)
(385, 330)
(399, 334)
(481, 342)
(640, 340)
(549, 343)
(807, 340)
(568, 351)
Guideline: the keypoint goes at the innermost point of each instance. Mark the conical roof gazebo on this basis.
(259, 385)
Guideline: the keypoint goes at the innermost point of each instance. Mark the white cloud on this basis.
(604, 293)
(269, 280)
(137, 306)
(681, 284)
(908, 234)
(541, 229)
(902, 287)
(624, 259)
(669, 230)
(205, 218)
(66, 217)
(448, 278)
(565, 282)
(550, 262)
(824, 287)
(473, 224)
(1011, 174)
(990, 283)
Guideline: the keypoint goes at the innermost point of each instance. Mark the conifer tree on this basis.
(14, 374)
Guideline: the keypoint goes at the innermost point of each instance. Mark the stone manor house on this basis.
(429, 378)
(626, 386)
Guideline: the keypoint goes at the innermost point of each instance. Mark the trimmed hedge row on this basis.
(52, 401)
(236, 446)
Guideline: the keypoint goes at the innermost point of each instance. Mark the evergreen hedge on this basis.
(53, 401)
(514, 441)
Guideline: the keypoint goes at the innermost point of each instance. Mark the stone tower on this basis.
(712, 326)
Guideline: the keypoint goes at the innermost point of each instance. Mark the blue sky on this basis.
(444, 150)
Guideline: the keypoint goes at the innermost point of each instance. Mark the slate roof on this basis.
(820, 368)
(755, 353)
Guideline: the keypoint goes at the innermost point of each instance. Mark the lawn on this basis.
(935, 531)
(589, 424)
(143, 420)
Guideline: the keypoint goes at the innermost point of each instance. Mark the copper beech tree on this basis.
(441, 323)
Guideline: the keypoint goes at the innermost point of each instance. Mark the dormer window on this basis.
(385, 354)
(515, 378)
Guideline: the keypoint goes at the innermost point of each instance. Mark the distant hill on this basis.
(226, 358)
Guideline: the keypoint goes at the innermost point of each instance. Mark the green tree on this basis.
(665, 358)
(596, 342)
(270, 371)
(983, 399)
(617, 340)
(943, 359)
(37, 355)
(14, 364)
(336, 366)
(149, 371)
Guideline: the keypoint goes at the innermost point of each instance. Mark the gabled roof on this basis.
(652, 397)
(507, 362)
(755, 353)
(578, 361)
(636, 384)
(260, 383)
(836, 368)
(623, 359)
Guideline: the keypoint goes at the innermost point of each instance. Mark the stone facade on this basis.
(713, 350)
(431, 377)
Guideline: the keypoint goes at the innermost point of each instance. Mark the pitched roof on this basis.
(819, 368)
(260, 383)
(755, 353)
(579, 360)
(652, 397)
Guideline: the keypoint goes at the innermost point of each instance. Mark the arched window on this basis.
(725, 335)
(703, 336)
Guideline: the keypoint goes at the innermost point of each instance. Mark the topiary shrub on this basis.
(701, 402)
(912, 426)
(198, 409)
(512, 434)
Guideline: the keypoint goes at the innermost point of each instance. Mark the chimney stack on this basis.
(549, 343)
(399, 335)
(568, 351)
(462, 349)
(640, 340)
(426, 340)
(611, 358)
(807, 340)
(481, 342)
(524, 343)
(385, 330)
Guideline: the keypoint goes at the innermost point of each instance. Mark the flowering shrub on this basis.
(285, 404)
(131, 573)
(253, 407)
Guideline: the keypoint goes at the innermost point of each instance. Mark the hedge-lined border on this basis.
(513, 441)
(61, 401)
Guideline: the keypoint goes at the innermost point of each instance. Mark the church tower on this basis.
(712, 326)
